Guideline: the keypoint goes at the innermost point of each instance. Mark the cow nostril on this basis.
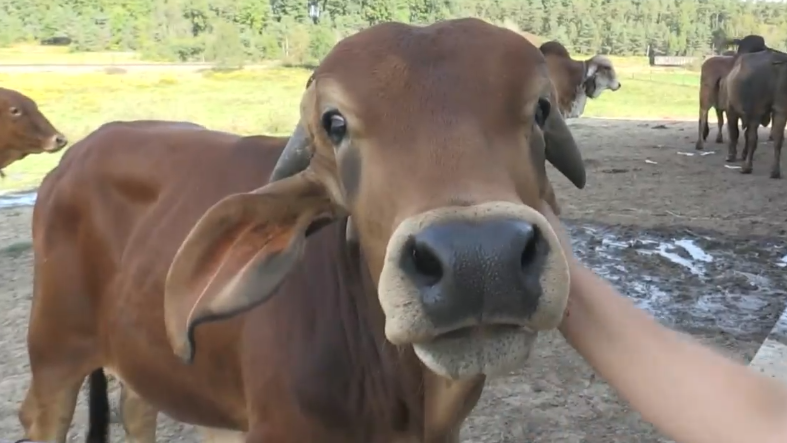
(61, 140)
(425, 262)
(530, 252)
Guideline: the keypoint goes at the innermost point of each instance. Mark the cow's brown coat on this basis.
(315, 362)
(713, 71)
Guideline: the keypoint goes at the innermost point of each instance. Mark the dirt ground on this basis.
(626, 224)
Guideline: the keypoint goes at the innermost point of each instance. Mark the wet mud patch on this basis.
(701, 282)
(18, 199)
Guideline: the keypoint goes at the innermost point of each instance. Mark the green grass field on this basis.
(266, 101)
(35, 54)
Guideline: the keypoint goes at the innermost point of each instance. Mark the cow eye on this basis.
(14, 111)
(543, 107)
(335, 126)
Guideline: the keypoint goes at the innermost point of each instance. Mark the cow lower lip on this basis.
(480, 330)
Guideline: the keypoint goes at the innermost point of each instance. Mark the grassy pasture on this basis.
(56, 55)
(266, 101)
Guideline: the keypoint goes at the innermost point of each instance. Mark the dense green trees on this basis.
(250, 30)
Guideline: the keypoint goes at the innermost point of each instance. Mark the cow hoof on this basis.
(698, 147)
(746, 170)
(730, 159)
(719, 140)
(776, 174)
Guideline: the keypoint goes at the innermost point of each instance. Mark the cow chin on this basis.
(492, 351)
(489, 299)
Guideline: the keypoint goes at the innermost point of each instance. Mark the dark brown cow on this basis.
(398, 244)
(576, 80)
(713, 71)
(24, 130)
(754, 90)
(749, 44)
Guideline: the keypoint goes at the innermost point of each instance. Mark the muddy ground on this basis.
(699, 245)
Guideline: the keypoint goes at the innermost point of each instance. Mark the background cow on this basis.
(577, 80)
(24, 130)
(398, 246)
(754, 90)
(750, 44)
(713, 71)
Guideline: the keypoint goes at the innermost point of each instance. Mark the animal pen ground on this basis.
(700, 245)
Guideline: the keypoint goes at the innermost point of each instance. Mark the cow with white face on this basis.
(575, 80)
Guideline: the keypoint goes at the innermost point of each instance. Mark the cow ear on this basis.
(562, 150)
(238, 254)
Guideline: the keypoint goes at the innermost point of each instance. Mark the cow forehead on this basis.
(454, 66)
(9, 97)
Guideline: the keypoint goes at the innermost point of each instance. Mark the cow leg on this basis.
(774, 130)
(702, 130)
(63, 351)
(137, 415)
(49, 404)
(264, 434)
(720, 121)
(772, 134)
(751, 146)
(212, 435)
(732, 135)
(777, 130)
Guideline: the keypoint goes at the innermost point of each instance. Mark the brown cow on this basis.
(24, 130)
(754, 90)
(713, 70)
(576, 80)
(400, 250)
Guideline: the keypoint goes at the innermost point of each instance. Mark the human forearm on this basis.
(689, 392)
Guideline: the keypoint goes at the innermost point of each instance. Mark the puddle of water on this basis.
(17, 199)
(694, 251)
(691, 282)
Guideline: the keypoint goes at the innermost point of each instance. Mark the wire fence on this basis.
(680, 78)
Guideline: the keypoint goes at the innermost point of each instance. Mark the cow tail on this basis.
(98, 407)
(717, 89)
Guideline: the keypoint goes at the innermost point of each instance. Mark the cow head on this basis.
(599, 75)
(749, 44)
(24, 130)
(434, 140)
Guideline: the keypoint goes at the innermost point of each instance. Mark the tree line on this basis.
(303, 31)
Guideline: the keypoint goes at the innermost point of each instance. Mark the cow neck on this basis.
(379, 384)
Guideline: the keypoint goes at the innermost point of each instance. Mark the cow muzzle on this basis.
(470, 287)
(55, 143)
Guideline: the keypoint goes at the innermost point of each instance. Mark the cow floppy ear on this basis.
(239, 252)
(562, 150)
